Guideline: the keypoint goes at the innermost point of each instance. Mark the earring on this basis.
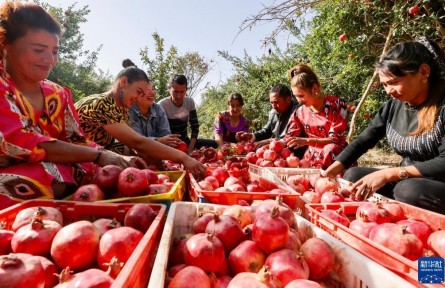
(121, 97)
(424, 81)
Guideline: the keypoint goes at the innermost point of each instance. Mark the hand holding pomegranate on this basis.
(195, 167)
(366, 186)
(107, 157)
(295, 142)
(171, 140)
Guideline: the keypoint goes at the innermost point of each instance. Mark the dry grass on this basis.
(379, 159)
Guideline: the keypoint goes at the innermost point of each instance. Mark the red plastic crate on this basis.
(291, 198)
(137, 270)
(406, 268)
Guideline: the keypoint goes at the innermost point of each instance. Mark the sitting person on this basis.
(148, 119)
(44, 153)
(283, 105)
(320, 123)
(104, 119)
(180, 111)
(413, 74)
(228, 123)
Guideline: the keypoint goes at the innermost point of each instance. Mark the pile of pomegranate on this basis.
(113, 182)
(386, 224)
(37, 250)
(276, 154)
(257, 246)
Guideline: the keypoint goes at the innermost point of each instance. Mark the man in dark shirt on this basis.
(283, 105)
(181, 111)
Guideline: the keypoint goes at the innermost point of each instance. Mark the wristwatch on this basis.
(403, 174)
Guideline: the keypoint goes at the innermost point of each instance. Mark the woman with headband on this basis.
(413, 120)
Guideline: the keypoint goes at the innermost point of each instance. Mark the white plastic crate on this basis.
(353, 269)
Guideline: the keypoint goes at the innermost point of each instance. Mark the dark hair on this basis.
(282, 90)
(235, 96)
(302, 76)
(132, 72)
(178, 79)
(17, 18)
(406, 58)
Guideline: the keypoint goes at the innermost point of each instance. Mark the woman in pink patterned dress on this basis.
(319, 123)
(43, 152)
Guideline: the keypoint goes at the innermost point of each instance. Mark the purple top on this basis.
(222, 126)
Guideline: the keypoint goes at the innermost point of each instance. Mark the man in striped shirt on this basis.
(181, 111)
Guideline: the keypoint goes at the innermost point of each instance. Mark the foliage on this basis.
(166, 63)
(76, 66)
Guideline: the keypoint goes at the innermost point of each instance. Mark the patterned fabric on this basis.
(97, 111)
(331, 122)
(154, 126)
(222, 126)
(23, 175)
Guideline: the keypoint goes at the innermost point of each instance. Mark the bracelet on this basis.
(99, 153)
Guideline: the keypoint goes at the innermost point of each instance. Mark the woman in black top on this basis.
(413, 73)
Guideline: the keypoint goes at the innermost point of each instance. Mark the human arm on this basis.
(267, 131)
(194, 125)
(218, 129)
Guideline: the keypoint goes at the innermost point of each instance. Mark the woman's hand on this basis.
(243, 136)
(366, 186)
(332, 171)
(110, 158)
(262, 143)
(171, 140)
(295, 142)
(195, 167)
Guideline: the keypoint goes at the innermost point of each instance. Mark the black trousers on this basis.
(202, 142)
(421, 192)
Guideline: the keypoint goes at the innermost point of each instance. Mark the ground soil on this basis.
(379, 159)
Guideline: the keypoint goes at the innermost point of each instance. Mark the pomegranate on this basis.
(270, 231)
(260, 152)
(312, 197)
(299, 179)
(152, 177)
(221, 174)
(436, 242)
(237, 188)
(163, 178)
(26, 215)
(270, 155)
(156, 189)
(418, 228)
(176, 255)
(251, 157)
(107, 177)
(20, 271)
(91, 278)
(132, 182)
(233, 180)
(119, 242)
(224, 268)
(199, 226)
(221, 281)
(175, 269)
(303, 283)
(35, 238)
(331, 197)
(362, 228)
(279, 162)
(204, 250)
(50, 270)
(114, 267)
(213, 181)
(276, 145)
(294, 242)
(254, 187)
(285, 212)
(103, 225)
(5, 239)
(248, 232)
(140, 217)
(262, 279)
(266, 185)
(246, 257)
(396, 238)
(371, 212)
(65, 277)
(319, 257)
(292, 161)
(88, 193)
(323, 185)
(227, 229)
(75, 245)
(337, 216)
(287, 265)
(190, 277)
(395, 211)
(285, 153)
(240, 213)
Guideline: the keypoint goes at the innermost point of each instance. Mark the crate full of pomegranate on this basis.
(208, 245)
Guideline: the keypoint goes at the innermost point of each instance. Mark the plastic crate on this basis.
(404, 267)
(352, 269)
(291, 198)
(137, 270)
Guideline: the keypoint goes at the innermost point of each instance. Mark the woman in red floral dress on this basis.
(319, 123)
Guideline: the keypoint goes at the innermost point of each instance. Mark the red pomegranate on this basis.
(395, 211)
(303, 283)
(104, 224)
(270, 231)
(175, 269)
(240, 213)
(176, 254)
(220, 281)
(152, 177)
(286, 213)
(5, 239)
(221, 174)
(88, 193)
(396, 238)
(46, 213)
(75, 245)
(20, 271)
(418, 228)
(51, 272)
(362, 228)
(119, 242)
(436, 242)
(337, 216)
(319, 257)
(35, 238)
(294, 242)
(140, 217)
(199, 226)
(312, 197)
(132, 182)
(205, 251)
(227, 229)
(371, 212)
(246, 257)
(323, 185)
(262, 279)
(287, 265)
(91, 278)
(299, 179)
(190, 277)
(107, 176)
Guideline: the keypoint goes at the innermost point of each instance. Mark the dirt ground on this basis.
(379, 159)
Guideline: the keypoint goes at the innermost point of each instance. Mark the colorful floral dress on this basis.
(23, 172)
(222, 126)
(331, 122)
